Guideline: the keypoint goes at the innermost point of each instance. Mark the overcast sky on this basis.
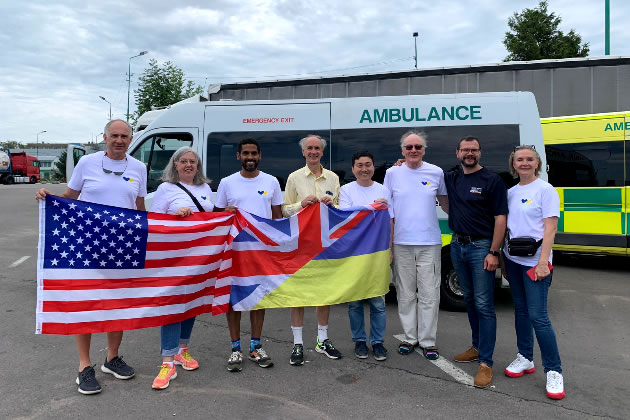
(58, 57)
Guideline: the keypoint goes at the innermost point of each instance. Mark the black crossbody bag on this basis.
(523, 247)
(192, 197)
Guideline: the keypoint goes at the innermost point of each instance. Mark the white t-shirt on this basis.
(113, 190)
(413, 202)
(169, 198)
(253, 195)
(354, 195)
(528, 205)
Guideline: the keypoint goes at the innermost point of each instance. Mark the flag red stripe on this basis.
(169, 246)
(121, 324)
(127, 283)
(349, 226)
(183, 261)
(128, 303)
(243, 222)
(220, 309)
(195, 217)
(187, 229)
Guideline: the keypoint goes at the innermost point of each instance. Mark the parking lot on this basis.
(589, 306)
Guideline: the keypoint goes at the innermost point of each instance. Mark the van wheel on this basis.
(33, 180)
(451, 295)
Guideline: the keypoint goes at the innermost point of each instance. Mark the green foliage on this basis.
(11, 144)
(534, 35)
(162, 86)
(59, 173)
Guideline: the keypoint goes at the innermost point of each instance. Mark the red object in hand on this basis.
(532, 271)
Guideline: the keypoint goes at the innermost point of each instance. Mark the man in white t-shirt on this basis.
(258, 193)
(417, 243)
(116, 179)
(363, 192)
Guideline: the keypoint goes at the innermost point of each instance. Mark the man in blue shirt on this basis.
(477, 216)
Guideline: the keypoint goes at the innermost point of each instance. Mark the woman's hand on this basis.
(381, 200)
(230, 209)
(183, 212)
(542, 270)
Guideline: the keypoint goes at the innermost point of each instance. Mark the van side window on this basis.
(156, 151)
(280, 152)
(598, 164)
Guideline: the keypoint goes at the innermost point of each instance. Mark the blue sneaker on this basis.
(380, 352)
(361, 350)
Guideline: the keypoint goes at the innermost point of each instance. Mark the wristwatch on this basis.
(495, 253)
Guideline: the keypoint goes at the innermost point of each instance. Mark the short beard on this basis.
(468, 165)
(244, 165)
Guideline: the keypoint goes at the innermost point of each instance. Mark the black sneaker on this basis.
(87, 382)
(380, 352)
(328, 349)
(297, 355)
(361, 350)
(118, 368)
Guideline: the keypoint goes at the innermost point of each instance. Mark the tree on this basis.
(59, 172)
(11, 144)
(162, 86)
(534, 35)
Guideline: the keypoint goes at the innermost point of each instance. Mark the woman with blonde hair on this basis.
(534, 208)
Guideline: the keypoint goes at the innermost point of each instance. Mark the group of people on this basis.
(475, 199)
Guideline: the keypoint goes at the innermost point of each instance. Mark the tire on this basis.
(451, 296)
(33, 180)
(9, 180)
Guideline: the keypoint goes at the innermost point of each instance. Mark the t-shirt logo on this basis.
(127, 179)
(475, 190)
(204, 198)
(525, 201)
(263, 192)
(427, 183)
(329, 193)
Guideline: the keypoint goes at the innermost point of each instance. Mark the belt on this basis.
(466, 239)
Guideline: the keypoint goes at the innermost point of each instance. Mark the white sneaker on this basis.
(555, 385)
(519, 367)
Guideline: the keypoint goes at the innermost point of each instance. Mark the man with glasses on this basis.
(477, 216)
(112, 178)
(260, 194)
(417, 243)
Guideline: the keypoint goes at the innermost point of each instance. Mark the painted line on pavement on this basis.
(446, 366)
(20, 261)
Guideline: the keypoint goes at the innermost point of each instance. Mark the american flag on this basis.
(104, 268)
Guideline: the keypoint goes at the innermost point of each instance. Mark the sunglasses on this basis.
(525, 146)
(107, 171)
(414, 146)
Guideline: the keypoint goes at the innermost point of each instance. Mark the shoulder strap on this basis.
(192, 197)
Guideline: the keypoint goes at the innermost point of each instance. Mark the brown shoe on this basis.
(484, 376)
(468, 356)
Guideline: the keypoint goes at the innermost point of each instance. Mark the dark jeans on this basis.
(530, 315)
(477, 285)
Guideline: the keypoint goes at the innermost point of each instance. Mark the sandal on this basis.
(431, 353)
(406, 348)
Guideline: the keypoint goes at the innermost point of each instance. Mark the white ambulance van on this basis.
(500, 120)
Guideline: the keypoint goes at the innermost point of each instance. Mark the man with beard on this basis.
(477, 216)
(258, 193)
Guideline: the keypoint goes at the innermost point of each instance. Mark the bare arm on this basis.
(276, 212)
(443, 201)
(68, 193)
(491, 262)
(549, 235)
(140, 204)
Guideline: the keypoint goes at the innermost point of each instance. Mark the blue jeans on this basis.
(175, 334)
(477, 285)
(378, 317)
(530, 314)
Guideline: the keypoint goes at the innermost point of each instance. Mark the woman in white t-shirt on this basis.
(534, 208)
(183, 170)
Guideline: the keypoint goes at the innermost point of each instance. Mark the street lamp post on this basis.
(37, 143)
(415, 44)
(129, 80)
(110, 106)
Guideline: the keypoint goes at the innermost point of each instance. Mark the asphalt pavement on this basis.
(589, 306)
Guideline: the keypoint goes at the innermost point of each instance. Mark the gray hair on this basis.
(170, 172)
(109, 124)
(418, 133)
(302, 141)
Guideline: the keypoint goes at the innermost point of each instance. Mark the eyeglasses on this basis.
(470, 150)
(107, 171)
(414, 146)
(187, 161)
(525, 146)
